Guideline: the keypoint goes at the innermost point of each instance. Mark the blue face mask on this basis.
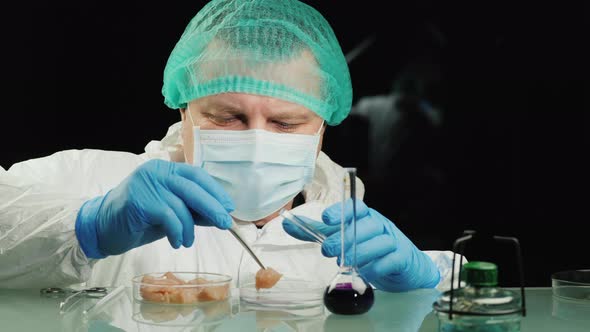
(261, 171)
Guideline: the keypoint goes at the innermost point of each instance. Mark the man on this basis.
(255, 83)
(396, 117)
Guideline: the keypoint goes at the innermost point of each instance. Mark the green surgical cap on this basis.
(278, 48)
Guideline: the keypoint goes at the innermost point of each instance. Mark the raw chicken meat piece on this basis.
(267, 278)
(213, 293)
(161, 289)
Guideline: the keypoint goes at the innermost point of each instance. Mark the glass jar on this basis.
(480, 305)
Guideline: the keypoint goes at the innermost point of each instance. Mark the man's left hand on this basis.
(385, 257)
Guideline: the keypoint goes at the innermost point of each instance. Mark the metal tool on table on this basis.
(72, 296)
(58, 292)
(104, 300)
(234, 231)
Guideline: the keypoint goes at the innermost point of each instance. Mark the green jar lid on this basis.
(480, 274)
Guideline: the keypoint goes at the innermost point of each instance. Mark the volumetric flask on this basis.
(348, 293)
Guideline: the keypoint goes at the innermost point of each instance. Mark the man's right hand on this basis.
(158, 199)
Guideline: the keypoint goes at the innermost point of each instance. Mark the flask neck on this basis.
(348, 222)
(347, 269)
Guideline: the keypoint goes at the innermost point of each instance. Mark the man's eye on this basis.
(284, 125)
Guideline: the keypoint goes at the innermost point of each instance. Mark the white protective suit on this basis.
(40, 199)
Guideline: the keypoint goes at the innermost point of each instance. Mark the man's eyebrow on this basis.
(223, 108)
(292, 115)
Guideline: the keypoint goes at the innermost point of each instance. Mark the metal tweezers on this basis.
(234, 231)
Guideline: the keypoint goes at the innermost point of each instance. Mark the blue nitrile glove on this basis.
(385, 256)
(158, 199)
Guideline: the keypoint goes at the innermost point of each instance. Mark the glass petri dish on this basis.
(158, 314)
(286, 294)
(571, 285)
(181, 288)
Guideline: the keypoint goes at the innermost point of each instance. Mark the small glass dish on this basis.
(181, 288)
(571, 285)
(286, 294)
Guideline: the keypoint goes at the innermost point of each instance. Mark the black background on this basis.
(512, 151)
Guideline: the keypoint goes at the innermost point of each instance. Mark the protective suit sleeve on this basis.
(39, 203)
(444, 262)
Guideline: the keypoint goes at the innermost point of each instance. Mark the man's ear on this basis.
(182, 113)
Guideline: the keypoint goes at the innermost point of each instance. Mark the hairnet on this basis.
(277, 48)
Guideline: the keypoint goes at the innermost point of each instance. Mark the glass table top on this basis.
(27, 310)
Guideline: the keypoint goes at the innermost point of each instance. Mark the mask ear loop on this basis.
(188, 110)
(190, 115)
(315, 152)
(321, 126)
